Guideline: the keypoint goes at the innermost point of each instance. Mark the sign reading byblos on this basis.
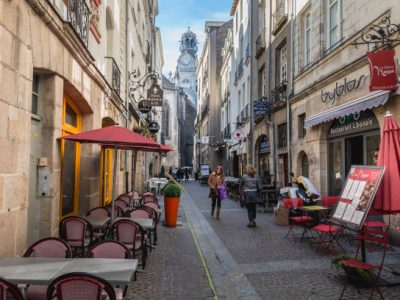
(383, 70)
(358, 195)
(155, 95)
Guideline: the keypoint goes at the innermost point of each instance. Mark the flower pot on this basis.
(171, 205)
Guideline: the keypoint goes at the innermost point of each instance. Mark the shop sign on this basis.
(353, 123)
(238, 135)
(144, 107)
(154, 127)
(341, 89)
(383, 70)
(261, 107)
(264, 145)
(155, 95)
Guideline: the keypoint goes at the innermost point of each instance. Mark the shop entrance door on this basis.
(354, 152)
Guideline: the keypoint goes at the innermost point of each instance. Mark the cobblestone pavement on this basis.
(245, 263)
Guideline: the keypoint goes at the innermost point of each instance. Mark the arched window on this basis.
(304, 165)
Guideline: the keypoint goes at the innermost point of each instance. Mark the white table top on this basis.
(40, 270)
(146, 223)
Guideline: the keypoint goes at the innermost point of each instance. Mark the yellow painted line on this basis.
(203, 261)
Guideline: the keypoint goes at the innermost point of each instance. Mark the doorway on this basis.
(354, 152)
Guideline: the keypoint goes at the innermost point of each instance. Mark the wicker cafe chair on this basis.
(300, 220)
(132, 236)
(111, 249)
(80, 286)
(152, 214)
(99, 212)
(371, 236)
(9, 291)
(49, 247)
(78, 233)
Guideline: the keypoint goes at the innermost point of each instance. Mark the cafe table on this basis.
(97, 223)
(41, 270)
(145, 223)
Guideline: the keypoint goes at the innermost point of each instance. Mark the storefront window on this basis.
(372, 147)
(335, 168)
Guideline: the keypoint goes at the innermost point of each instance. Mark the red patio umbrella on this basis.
(386, 199)
(116, 137)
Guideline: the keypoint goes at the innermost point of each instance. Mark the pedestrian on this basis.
(215, 181)
(162, 171)
(186, 174)
(250, 184)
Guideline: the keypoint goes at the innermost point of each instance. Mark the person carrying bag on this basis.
(215, 181)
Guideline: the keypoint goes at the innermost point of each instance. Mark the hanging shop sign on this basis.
(144, 107)
(154, 127)
(353, 123)
(358, 195)
(264, 145)
(238, 135)
(155, 95)
(383, 70)
(341, 89)
(261, 107)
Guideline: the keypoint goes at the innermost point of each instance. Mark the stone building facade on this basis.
(65, 71)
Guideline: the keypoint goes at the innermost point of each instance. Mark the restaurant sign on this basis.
(155, 95)
(144, 106)
(154, 127)
(383, 70)
(353, 123)
(264, 145)
(341, 89)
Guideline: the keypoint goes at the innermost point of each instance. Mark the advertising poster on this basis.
(358, 194)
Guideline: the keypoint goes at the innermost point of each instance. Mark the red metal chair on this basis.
(49, 247)
(132, 236)
(371, 236)
(328, 235)
(9, 291)
(77, 232)
(302, 220)
(80, 286)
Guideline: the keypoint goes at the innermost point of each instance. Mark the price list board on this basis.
(358, 194)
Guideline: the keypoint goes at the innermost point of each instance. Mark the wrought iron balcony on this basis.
(78, 16)
(248, 55)
(236, 78)
(278, 99)
(279, 16)
(113, 74)
(240, 69)
(260, 43)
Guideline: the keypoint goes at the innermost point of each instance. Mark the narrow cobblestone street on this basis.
(244, 263)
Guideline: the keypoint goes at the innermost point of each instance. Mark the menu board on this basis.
(358, 194)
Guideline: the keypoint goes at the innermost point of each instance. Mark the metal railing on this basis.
(279, 16)
(240, 68)
(260, 43)
(248, 54)
(113, 75)
(278, 98)
(78, 16)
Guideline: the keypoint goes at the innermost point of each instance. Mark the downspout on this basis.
(269, 117)
(127, 116)
(251, 87)
(288, 116)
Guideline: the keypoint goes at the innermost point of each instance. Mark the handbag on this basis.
(222, 193)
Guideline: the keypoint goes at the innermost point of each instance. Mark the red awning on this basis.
(112, 136)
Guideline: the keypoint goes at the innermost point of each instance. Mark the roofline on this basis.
(234, 6)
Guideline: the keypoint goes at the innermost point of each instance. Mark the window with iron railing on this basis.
(240, 68)
(282, 135)
(78, 16)
(113, 74)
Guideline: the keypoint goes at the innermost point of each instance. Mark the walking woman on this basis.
(250, 183)
(215, 181)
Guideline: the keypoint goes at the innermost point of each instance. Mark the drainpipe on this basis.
(288, 115)
(127, 116)
(251, 87)
(269, 117)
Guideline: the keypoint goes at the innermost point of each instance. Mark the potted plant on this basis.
(171, 203)
(358, 277)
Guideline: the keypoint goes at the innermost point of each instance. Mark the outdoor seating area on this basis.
(97, 254)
